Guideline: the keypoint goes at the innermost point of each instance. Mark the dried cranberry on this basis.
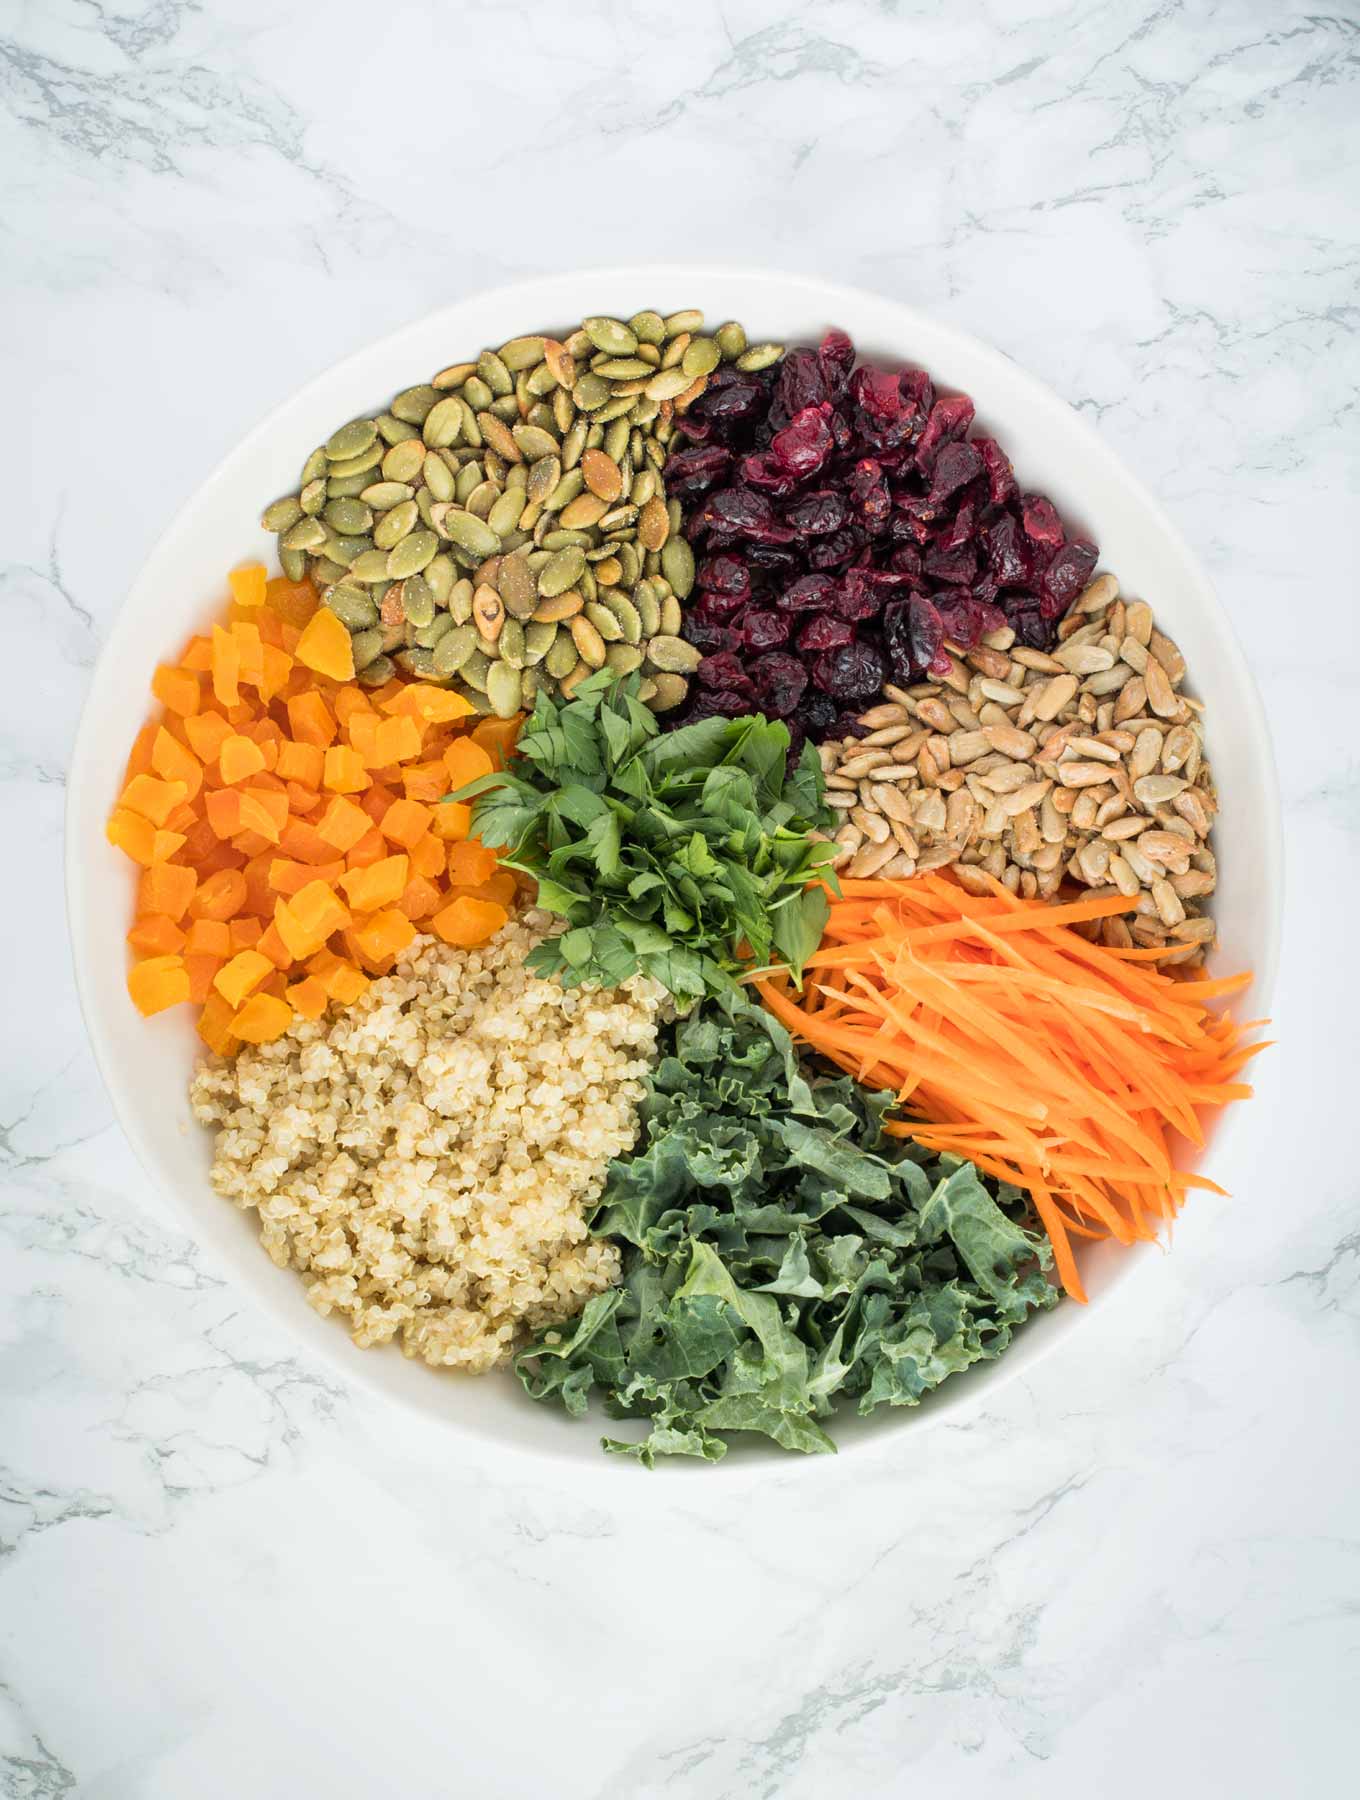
(1007, 553)
(824, 633)
(779, 681)
(1066, 576)
(912, 634)
(836, 354)
(764, 630)
(1001, 484)
(918, 393)
(718, 703)
(854, 672)
(965, 619)
(711, 639)
(726, 671)
(870, 501)
(817, 715)
(802, 382)
(880, 417)
(956, 568)
(688, 473)
(810, 593)
(905, 560)
(1041, 522)
(955, 466)
(817, 514)
(804, 444)
(719, 608)
(741, 510)
(833, 551)
(726, 575)
(949, 419)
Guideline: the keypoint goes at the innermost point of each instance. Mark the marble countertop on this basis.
(221, 1571)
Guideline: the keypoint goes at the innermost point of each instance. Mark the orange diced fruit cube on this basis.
(173, 762)
(310, 720)
(404, 822)
(206, 733)
(201, 971)
(177, 689)
(301, 762)
(467, 922)
(208, 937)
(239, 758)
(378, 885)
(467, 761)
(325, 646)
(248, 584)
(226, 667)
(451, 820)
(386, 934)
(244, 973)
(166, 888)
(343, 823)
(132, 834)
(307, 997)
(214, 1024)
(398, 740)
(471, 863)
(158, 982)
(156, 934)
(263, 1018)
(153, 798)
(344, 771)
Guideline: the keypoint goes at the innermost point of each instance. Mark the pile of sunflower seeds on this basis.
(1086, 765)
(504, 529)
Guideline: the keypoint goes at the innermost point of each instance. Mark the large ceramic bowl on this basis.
(146, 1064)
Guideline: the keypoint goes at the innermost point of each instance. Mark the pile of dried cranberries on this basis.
(846, 525)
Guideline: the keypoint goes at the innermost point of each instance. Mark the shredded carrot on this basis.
(1049, 1061)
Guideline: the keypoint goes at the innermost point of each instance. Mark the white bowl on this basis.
(146, 1064)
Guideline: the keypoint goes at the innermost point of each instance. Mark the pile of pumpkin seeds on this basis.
(504, 528)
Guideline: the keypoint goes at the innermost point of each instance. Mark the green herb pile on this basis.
(685, 855)
(780, 1250)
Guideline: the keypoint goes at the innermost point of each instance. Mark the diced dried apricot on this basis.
(166, 888)
(304, 843)
(325, 646)
(139, 757)
(271, 944)
(310, 720)
(239, 758)
(362, 730)
(350, 701)
(341, 980)
(371, 848)
(209, 937)
(206, 732)
(263, 1018)
(259, 894)
(497, 737)
(404, 822)
(153, 798)
(308, 919)
(289, 877)
(376, 801)
(220, 897)
(420, 897)
(467, 922)
(226, 667)
(293, 601)
(301, 799)
(242, 975)
(467, 761)
(276, 665)
(202, 971)
(158, 982)
(435, 705)
(156, 934)
(385, 934)
(132, 834)
(399, 739)
(425, 780)
(343, 823)
(223, 807)
(378, 885)
(245, 932)
(344, 771)
(471, 863)
(248, 584)
(451, 820)
(249, 650)
(301, 762)
(307, 997)
(264, 811)
(173, 762)
(428, 856)
(176, 689)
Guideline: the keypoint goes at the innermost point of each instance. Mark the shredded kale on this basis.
(780, 1252)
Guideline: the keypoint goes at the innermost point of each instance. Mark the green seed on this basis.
(574, 443)
(677, 564)
(357, 465)
(517, 587)
(561, 657)
(427, 636)
(314, 467)
(538, 638)
(623, 659)
(347, 550)
(417, 662)
(622, 368)
(561, 571)
(759, 356)
(701, 357)
(439, 477)
(460, 601)
(394, 431)
(370, 567)
(346, 487)
(366, 645)
(522, 353)
(511, 643)
(348, 517)
(503, 689)
(404, 462)
(668, 690)
(731, 340)
(380, 671)
(282, 514)
(563, 411)
(482, 498)
(440, 577)
(648, 609)
(565, 492)
(667, 383)
(604, 622)
(394, 525)
(471, 533)
(495, 374)
(313, 497)
(413, 405)
(673, 655)
(454, 649)
(325, 573)
(382, 496)
(354, 609)
(678, 322)
(307, 534)
(351, 440)
(591, 392)
(539, 382)
(472, 431)
(443, 424)
(543, 477)
(611, 336)
(292, 562)
(412, 554)
(417, 600)
(648, 327)
(590, 646)
(504, 514)
(533, 442)
(467, 481)
(671, 616)
(528, 689)
(627, 615)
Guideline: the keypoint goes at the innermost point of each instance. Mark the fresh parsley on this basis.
(685, 855)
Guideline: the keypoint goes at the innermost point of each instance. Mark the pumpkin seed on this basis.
(292, 562)
(623, 609)
(394, 431)
(504, 515)
(382, 496)
(482, 498)
(561, 571)
(604, 622)
(648, 610)
(680, 322)
(366, 645)
(347, 487)
(282, 514)
(477, 394)
(404, 462)
(454, 376)
(495, 374)
(522, 353)
(561, 657)
(503, 689)
(370, 567)
(511, 643)
(474, 669)
(538, 638)
(427, 636)
(417, 600)
(348, 517)
(439, 477)
(668, 690)
(306, 534)
(471, 533)
(677, 564)
(454, 649)
(351, 440)
(584, 511)
(667, 383)
(533, 442)
(759, 356)
(443, 424)
(356, 465)
(497, 433)
(671, 617)
(648, 327)
(354, 609)
(610, 335)
(701, 357)
(589, 643)
(653, 524)
(379, 672)
(559, 606)
(591, 392)
(623, 659)
(412, 554)
(621, 368)
(394, 524)
(488, 613)
(673, 655)
(731, 340)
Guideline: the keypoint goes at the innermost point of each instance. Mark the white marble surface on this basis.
(221, 1573)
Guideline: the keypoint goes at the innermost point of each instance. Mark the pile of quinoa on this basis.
(427, 1158)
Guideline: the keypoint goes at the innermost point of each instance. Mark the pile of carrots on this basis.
(1013, 1041)
(288, 822)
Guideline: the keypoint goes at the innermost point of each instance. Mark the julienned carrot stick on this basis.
(1049, 1061)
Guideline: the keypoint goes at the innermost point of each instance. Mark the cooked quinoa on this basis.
(428, 1157)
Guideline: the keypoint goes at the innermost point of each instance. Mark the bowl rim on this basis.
(950, 1400)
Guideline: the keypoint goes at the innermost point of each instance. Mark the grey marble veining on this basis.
(222, 1571)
